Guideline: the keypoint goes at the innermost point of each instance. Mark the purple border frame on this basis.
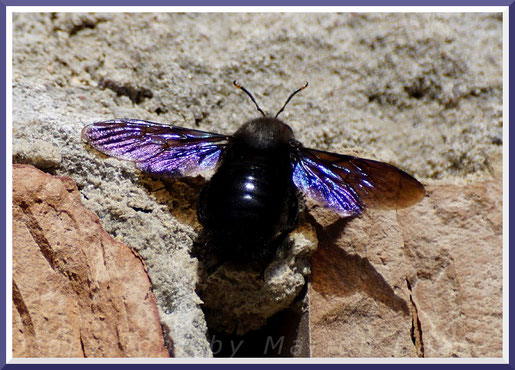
(4, 3)
(263, 3)
(2, 190)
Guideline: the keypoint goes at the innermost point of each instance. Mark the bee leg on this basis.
(201, 206)
(293, 210)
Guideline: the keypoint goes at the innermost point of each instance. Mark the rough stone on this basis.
(237, 300)
(454, 247)
(358, 293)
(423, 281)
(76, 291)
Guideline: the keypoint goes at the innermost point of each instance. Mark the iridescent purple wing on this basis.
(156, 148)
(347, 184)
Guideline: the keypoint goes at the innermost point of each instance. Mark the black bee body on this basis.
(250, 203)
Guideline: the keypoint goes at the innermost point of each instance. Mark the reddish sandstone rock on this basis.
(453, 245)
(77, 292)
(430, 274)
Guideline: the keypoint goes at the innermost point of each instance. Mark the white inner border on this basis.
(254, 9)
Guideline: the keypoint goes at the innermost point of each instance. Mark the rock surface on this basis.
(359, 301)
(429, 275)
(422, 91)
(237, 301)
(460, 254)
(76, 291)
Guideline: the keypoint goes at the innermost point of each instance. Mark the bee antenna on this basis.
(250, 95)
(291, 96)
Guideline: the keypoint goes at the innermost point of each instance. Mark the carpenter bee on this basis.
(251, 202)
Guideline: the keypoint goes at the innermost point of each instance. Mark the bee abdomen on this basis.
(249, 204)
(240, 195)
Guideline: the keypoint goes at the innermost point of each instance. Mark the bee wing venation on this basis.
(347, 184)
(157, 148)
(320, 183)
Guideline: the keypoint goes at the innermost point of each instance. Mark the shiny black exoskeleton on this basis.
(250, 203)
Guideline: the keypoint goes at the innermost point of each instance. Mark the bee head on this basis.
(264, 133)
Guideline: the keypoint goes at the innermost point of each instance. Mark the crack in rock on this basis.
(416, 326)
(134, 93)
